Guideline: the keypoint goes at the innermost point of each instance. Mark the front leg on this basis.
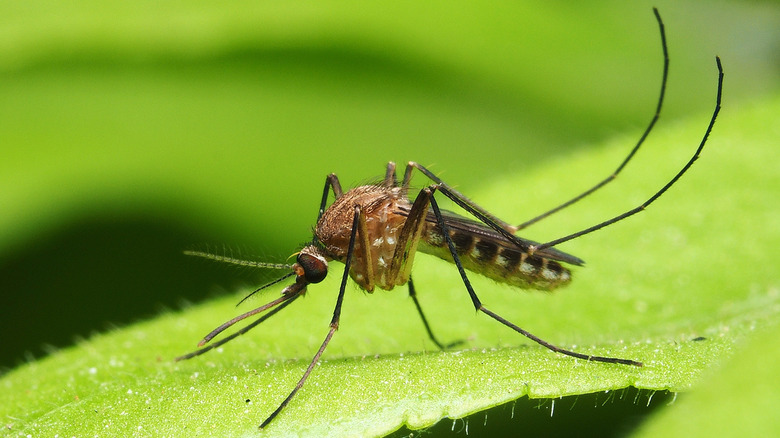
(364, 253)
(409, 237)
(390, 180)
(331, 182)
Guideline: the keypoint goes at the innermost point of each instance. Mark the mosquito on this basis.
(376, 231)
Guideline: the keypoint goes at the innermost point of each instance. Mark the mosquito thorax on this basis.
(311, 265)
(383, 209)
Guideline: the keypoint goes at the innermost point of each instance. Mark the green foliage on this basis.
(229, 119)
(651, 307)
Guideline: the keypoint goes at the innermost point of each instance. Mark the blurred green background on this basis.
(132, 131)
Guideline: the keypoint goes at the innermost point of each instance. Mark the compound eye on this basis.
(314, 268)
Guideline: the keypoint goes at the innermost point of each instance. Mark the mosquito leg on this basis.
(480, 213)
(459, 198)
(486, 219)
(303, 378)
(666, 187)
(554, 348)
(413, 294)
(445, 231)
(390, 178)
(400, 266)
(334, 322)
(408, 239)
(331, 182)
(365, 253)
(478, 304)
(465, 203)
(636, 147)
(498, 225)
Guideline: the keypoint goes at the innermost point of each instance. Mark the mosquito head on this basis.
(311, 265)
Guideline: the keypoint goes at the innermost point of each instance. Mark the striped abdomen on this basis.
(486, 252)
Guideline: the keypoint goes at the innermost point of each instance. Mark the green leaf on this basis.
(647, 294)
(739, 398)
(227, 120)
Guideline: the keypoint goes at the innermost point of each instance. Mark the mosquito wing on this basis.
(479, 230)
